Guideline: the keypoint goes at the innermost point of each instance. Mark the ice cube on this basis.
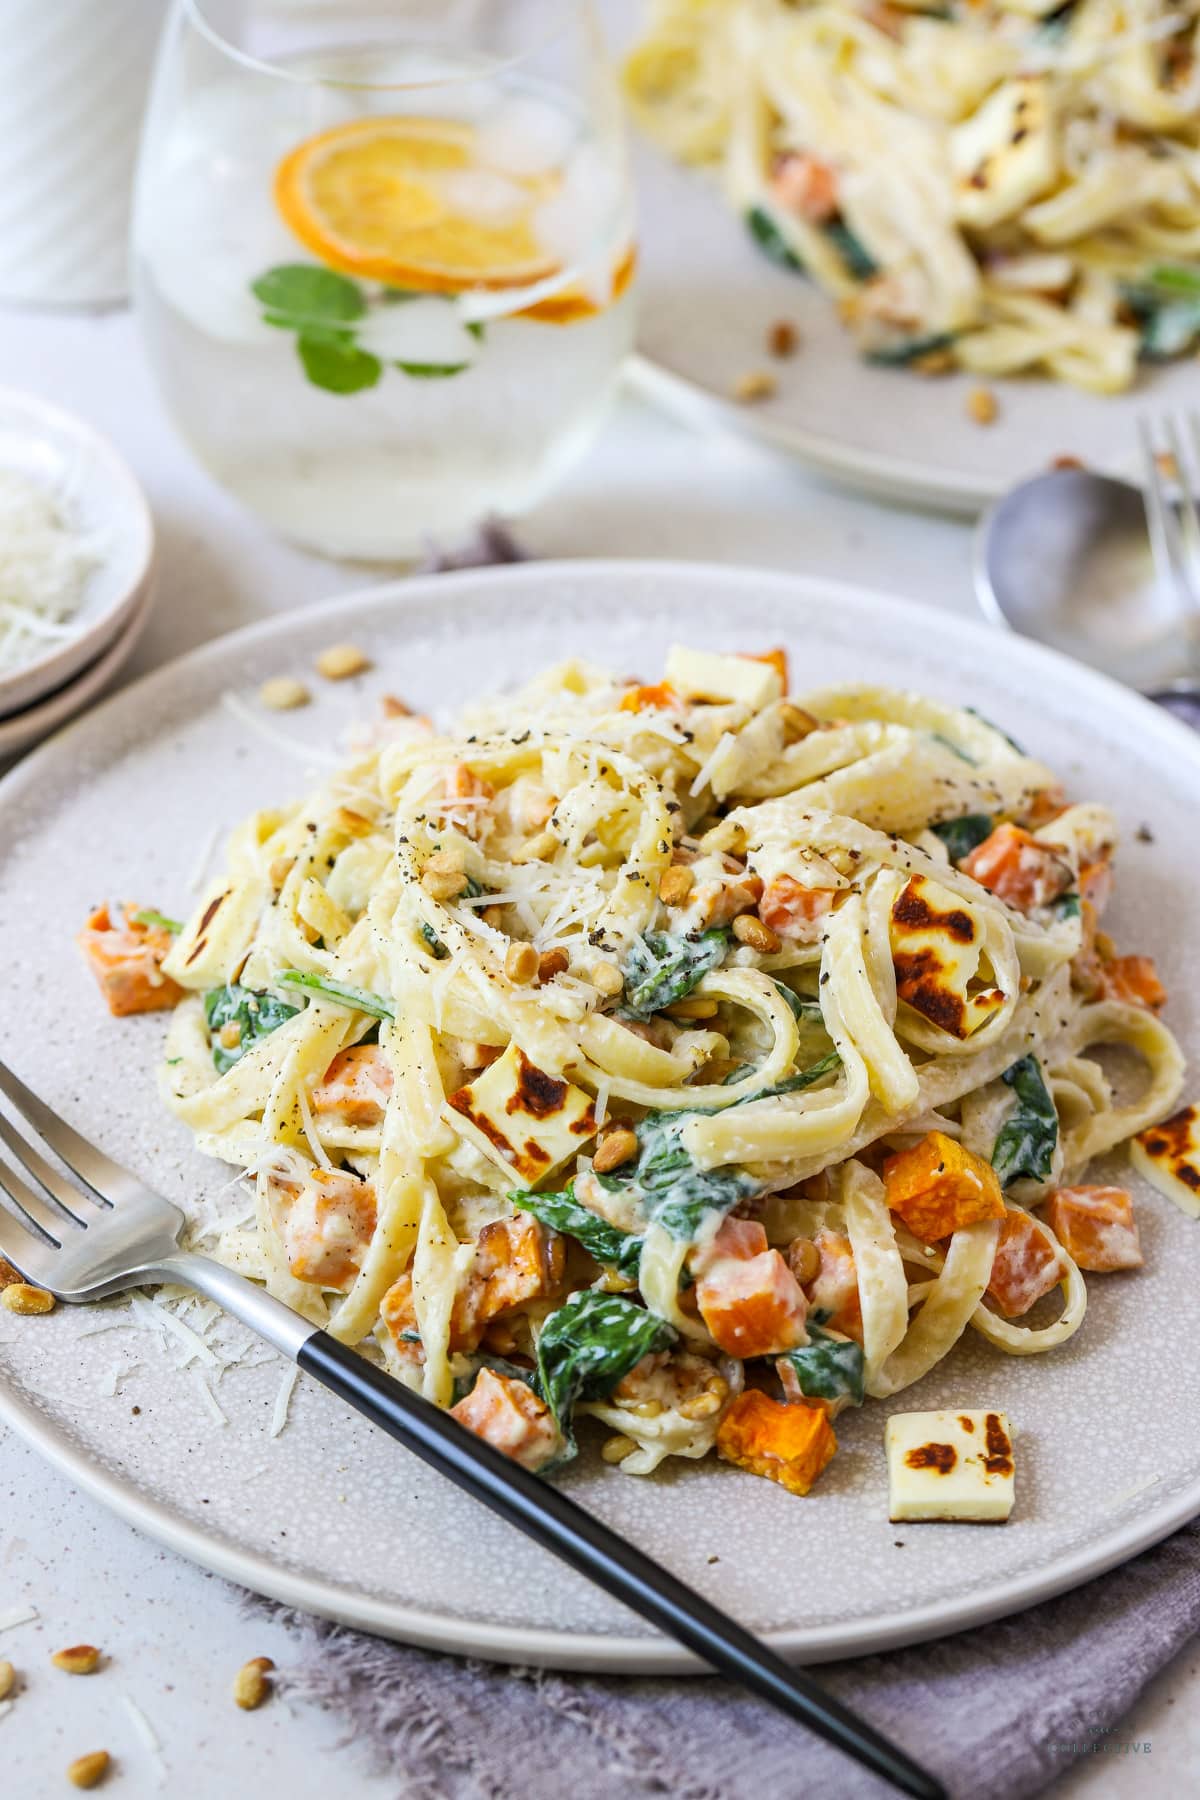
(483, 195)
(525, 137)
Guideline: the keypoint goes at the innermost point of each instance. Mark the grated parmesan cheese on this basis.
(44, 569)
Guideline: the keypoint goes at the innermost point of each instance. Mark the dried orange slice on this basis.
(383, 198)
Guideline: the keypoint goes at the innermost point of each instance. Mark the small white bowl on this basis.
(96, 493)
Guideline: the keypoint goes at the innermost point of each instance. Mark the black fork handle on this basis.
(545, 1514)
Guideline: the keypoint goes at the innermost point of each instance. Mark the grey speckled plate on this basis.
(331, 1516)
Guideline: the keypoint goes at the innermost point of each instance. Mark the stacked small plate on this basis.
(98, 500)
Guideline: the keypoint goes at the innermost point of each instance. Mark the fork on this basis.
(105, 1231)
(1174, 528)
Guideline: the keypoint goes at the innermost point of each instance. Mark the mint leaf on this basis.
(432, 371)
(297, 296)
(477, 329)
(334, 362)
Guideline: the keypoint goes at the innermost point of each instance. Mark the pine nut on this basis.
(755, 384)
(982, 406)
(749, 929)
(230, 1035)
(341, 661)
(536, 849)
(8, 1679)
(251, 1687)
(797, 724)
(783, 338)
(80, 1659)
(493, 916)
(89, 1771)
(702, 1407)
(691, 1009)
(616, 1146)
(283, 694)
(354, 824)
(719, 1386)
(675, 884)
(617, 1449)
(803, 1259)
(444, 876)
(521, 962)
(394, 708)
(646, 1409)
(23, 1297)
(606, 979)
(552, 963)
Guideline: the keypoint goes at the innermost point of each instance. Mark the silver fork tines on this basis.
(1170, 486)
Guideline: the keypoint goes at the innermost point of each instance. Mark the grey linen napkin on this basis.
(998, 1712)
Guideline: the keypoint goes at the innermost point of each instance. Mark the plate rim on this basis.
(544, 1647)
(865, 471)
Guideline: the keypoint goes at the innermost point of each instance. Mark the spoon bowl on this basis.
(1066, 558)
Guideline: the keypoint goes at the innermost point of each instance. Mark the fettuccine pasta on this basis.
(631, 1050)
(1012, 186)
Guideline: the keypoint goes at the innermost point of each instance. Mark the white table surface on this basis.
(175, 1635)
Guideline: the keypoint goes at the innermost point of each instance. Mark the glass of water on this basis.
(384, 256)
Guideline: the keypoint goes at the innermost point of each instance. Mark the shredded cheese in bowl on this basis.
(45, 563)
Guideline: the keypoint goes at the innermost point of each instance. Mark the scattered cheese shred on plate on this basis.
(283, 1401)
(148, 1737)
(44, 570)
(17, 1615)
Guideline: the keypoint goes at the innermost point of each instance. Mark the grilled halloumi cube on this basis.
(1168, 1155)
(950, 1465)
(524, 1119)
(936, 950)
(703, 675)
(1007, 154)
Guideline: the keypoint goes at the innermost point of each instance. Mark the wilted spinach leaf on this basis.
(829, 1368)
(255, 1014)
(1025, 1143)
(340, 991)
(620, 1250)
(663, 968)
(771, 240)
(588, 1345)
(961, 836)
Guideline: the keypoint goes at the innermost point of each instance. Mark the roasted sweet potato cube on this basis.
(1096, 1227)
(1026, 1264)
(833, 1291)
(508, 1415)
(516, 1260)
(355, 1086)
(789, 1444)
(127, 963)
(660, 695)
(1018, 868)
(325, 1223)
(937, 1187)
(753, 1306)
(1133, 980)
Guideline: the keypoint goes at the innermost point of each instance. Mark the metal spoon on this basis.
(1067, 558)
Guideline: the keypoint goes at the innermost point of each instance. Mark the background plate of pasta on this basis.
(688, 1022)
(925, 248)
